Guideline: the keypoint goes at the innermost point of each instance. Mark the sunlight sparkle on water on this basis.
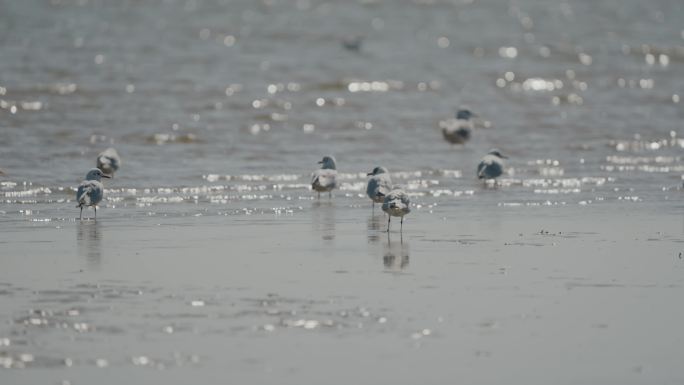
(508, 52)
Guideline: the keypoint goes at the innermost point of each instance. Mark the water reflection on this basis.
(323, 218)
(396, 256)
(89, 237)
(374, 227)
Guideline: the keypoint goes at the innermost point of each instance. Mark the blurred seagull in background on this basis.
(91, 190)
(108, 161)
(396, 204)
(379, 185)
(352, 43)
(458, 130)
(325, 178)
(491, 166)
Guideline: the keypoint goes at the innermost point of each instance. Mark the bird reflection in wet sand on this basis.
(89, 237)
(396, 256)
(374, 226)
(323, 220)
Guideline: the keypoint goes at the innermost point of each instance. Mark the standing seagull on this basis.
(379, 185)
(91, 190)
(491, 165)
(325, 178)
(108, 161)
(396, 204)
(457, 131)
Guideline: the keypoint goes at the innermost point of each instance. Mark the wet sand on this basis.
(541, 295)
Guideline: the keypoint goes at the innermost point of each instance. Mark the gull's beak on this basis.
(106, 176)
(369, 174)
(504, 156)
(320, 162)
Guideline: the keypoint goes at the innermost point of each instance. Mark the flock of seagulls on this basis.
(91, 191)
(395, 202)
(458, 131)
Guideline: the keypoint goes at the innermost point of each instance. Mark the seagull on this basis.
(457, 131)
(108, 161)
(352, 43)
(491, 165)
(379, 185)
(396, 204)
(325, 178)
(91, 190)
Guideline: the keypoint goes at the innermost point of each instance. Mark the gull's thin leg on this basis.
(95, 207)
(319, 195)
(80, 217)
(389, 219)
(329, 194)
(373, 212)
(401, 228)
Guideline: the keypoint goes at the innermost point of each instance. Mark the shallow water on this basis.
(234, 102)
(211, 255)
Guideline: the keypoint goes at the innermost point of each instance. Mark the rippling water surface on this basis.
(218, 101)
(220, 110)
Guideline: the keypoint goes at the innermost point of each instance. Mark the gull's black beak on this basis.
(369, 174)
(504, 156)
(380, 194)
(320, 162)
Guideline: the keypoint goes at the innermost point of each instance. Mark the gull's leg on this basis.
(402, 225)
(389, 219)
(329, 194)
(319, 195)
(95, 207)
(80, 217)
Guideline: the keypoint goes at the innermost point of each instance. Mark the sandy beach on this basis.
(560, 295)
